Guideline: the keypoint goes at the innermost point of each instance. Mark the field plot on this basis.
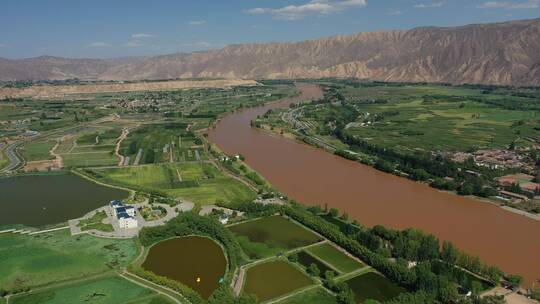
(38, 150)
(159, 143)
(333, 256)
(27, 261)
(108, 290)
(317, 295)
(373, 286)
(200, 183)
(271, 235)
(273, 279)
(90, 159)
(431, 117)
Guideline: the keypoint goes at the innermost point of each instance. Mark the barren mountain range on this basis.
(501, 53)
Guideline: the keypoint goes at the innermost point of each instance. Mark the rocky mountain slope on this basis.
(502, 53)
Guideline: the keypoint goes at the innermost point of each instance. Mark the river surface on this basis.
(38, 200)
(313, 176)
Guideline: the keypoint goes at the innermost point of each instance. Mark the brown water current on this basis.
(313, 176)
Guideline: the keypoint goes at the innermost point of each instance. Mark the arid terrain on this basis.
(49, 91)
(499, 53)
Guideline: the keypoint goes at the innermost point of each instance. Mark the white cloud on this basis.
(510, 5)
(197, 22)
(313, 7)
(394, 13)
(429, 5)
(143, 36)
(99, 44)
(2, 45)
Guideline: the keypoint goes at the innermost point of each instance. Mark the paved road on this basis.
(14, 159)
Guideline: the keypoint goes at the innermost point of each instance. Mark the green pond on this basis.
(39, 200)
(373, 286)
(276, 231)
(307, 259)
(273, 279)
(188, 259)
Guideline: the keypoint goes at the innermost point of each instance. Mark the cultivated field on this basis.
(198, 182)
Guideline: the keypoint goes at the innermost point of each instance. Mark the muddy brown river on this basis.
(313, 176)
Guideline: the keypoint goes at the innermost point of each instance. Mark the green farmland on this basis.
(27, 261)
(107, 290)
(335, 257)
(200, 183)
(430, 117)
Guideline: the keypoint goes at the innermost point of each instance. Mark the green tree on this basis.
(449, 253)
(293, 257)
(514, 281)
(313, 270)
(333, 212)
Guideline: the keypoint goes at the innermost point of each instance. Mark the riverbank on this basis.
(314, 177)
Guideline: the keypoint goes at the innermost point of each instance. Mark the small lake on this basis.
(186, 259)
(39, 200)
(373, 286)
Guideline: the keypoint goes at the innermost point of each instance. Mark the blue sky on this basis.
(118, 28)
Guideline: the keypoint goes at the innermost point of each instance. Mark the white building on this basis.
(125, 221)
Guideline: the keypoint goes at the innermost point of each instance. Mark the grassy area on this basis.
(317, 295)
(271, 235)
(38, 150)
(200, 183)
(104, 158)
(95, 222)
(273, 279)
(109, 290)
(335, 257)
(373, 286)
(27, 261)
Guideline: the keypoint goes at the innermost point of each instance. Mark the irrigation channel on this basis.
(313, 176)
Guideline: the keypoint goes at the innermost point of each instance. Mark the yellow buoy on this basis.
(198, 280)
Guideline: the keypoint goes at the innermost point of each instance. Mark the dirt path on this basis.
(124, 135)
(57, 157)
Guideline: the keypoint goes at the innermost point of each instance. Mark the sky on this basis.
(122, 28)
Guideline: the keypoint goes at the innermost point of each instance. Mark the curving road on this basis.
(15, 160)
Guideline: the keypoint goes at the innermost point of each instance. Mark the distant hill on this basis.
(501, 53)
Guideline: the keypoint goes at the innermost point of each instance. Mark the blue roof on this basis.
(121, 215)
(116, 203)
(121, 209)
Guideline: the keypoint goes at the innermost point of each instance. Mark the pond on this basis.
(307, 259)
(373, 286)
(273, 279)
(39, 200)
(195, 261)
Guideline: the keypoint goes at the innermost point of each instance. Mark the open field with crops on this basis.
(198, 182)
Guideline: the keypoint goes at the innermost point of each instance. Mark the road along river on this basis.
(313, 176)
